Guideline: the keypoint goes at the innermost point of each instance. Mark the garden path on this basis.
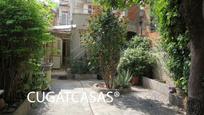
(140, 102)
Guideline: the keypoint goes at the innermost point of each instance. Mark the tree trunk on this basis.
(195, 89)
(195, 23)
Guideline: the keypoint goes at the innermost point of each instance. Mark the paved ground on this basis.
(140, 102)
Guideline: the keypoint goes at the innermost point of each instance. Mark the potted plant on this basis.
(122, 80)
(138, 62)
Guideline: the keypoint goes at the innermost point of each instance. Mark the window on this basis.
(89, 9)
(64, 18)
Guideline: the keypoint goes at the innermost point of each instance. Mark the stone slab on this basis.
(155, 85)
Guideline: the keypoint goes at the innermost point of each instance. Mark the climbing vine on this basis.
(174, 38)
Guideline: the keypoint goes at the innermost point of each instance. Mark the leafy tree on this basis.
(194, 18)
(104, 40)
(23, 31)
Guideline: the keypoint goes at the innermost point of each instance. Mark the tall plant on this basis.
(104, 40)
(175, 38)
(23, 31)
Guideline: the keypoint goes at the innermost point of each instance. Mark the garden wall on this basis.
(160, 71)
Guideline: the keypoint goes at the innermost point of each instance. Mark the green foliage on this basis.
(137, 61)
(182, 83)
(137, 57)
(81, 66)
(139, 42)
(24, 30)
(122, 80)
(104, 39)
(34, 78)
(174, 39)
(116, 4)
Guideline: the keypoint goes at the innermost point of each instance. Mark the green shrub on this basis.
(24, 29)
(80, 66)
(122, 80)
(174, 38)
(137, 61)
(104, 39)
(33, 79)
(139, 42)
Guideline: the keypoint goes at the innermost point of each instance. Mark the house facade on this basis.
(71, 18)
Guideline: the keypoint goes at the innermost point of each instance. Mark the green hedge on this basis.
(23, 31)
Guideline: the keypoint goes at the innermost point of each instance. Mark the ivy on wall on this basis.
(174, 40)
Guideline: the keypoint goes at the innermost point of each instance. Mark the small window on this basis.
(89, 9)
(64, 18)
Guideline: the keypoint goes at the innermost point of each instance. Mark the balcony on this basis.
(64, 3)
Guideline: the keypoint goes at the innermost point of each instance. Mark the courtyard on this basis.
(140, 101)
(101, 57)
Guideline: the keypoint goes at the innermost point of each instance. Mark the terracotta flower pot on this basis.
(135, 80)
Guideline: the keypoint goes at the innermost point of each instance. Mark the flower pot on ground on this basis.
(137, 59)
(135, 80)
(138, 62)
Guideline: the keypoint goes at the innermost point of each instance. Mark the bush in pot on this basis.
(137, 61)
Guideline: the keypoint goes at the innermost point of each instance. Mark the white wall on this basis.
(81, 21)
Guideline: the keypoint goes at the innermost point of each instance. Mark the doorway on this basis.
(66, 53)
